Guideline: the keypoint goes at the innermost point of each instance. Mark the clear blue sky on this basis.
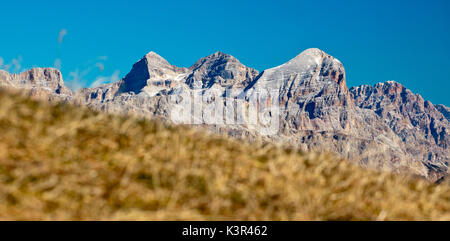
(405, 41)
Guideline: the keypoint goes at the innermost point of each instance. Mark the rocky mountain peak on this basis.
(308, 83)
(48, 80)
(218, 55)
(152, 67)
(386, 93)
(155, 59)
(412, 118)
(391, 87)
(308, 56)
(219, 68)
(315, 65)
(215, 58)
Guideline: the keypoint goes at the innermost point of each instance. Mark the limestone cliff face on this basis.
(423, 129)
(405, 112)
(312, 90)
(384, 126)
(317, 112)
(39, 82)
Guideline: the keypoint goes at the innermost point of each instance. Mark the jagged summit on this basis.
(391, 89)
(155, 58)
(409, 116)
(314, 62)
(155, 61)
(307, 73)
(307, 57)
(311, 52)
(219, 54)
(219, 68)
(153, 53)
(151, 67)
(216, 57)
(225, 70)
(390, 84)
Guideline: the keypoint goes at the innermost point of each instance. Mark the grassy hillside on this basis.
(63, 162)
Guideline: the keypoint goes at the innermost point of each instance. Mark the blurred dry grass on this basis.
(68, 163)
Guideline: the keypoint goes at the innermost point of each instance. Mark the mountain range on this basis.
(385, 126)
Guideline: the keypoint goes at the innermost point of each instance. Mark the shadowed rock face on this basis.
(384, 126)
(423, 129)
(444, 110)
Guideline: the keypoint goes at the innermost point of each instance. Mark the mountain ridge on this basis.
(384, 126)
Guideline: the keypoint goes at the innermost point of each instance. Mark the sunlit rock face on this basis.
(44, 83)
(384, 126)
(312, 92)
